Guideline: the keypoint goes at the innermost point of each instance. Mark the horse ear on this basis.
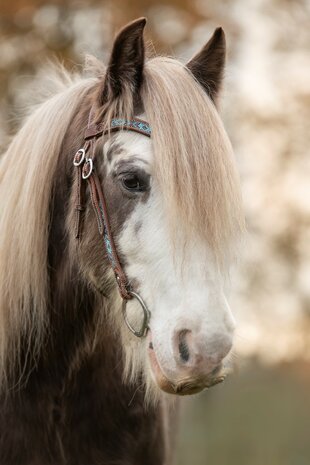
(208, 65)
(125, 67)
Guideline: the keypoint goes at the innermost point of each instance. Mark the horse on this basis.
(120, 217)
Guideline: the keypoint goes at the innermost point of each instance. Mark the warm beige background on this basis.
(261, 416)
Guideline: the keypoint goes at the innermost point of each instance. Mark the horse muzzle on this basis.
(186, 384)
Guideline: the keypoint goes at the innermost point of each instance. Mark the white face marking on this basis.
(183, 292)
(128, 147)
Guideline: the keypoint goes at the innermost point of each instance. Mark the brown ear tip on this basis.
(134, 28)
(219, 32)
(140, 22)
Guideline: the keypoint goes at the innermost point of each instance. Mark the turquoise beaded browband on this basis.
(134, 124)
(137, 125)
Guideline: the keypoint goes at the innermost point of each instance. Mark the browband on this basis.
(117, 124)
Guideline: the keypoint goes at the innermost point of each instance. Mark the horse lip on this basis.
(185, 386)
(193, 386)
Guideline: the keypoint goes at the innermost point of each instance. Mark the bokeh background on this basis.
(261, 415)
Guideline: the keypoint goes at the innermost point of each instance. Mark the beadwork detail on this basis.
(131, 124)
(106, 239)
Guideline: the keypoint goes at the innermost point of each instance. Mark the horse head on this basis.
(172, 206)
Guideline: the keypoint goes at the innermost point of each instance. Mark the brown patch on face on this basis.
(120, 205)
(128, 166)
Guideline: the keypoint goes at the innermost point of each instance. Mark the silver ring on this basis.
(91, 165)
(146, 315)
(82, 153)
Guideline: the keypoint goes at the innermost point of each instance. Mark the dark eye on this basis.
(134, 183)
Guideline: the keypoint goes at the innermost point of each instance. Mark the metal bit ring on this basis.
(146, 315)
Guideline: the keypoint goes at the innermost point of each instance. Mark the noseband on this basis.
(86, 171)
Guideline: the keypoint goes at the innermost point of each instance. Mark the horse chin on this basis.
(185, 386)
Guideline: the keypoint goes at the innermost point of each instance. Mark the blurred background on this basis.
(261, 414)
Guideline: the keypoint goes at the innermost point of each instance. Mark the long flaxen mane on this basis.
(194, 166)
(27, 172)
(193, 155)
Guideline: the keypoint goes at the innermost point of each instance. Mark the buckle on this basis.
(79, 157)
(87, 168)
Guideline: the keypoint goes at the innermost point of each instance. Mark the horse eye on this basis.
(133, 183)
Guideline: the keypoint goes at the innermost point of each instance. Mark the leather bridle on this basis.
(86, 171)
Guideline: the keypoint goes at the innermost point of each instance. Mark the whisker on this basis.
(134, 394)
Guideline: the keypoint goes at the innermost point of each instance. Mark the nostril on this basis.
(184, 352)
(200, 351)
(183, 347)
